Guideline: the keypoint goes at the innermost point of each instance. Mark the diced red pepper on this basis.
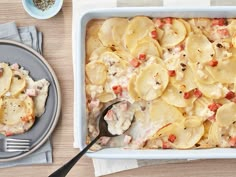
(230, 95)
(232, 141)
(171, 138)
(219, 22)
(197, 93)
(223, 32)
(168, 20)
(154, 34)
(135, 63)
(142, 56)
(187, 95)
(214, 106)
(171, 73)
(213, 62)
(117, 89)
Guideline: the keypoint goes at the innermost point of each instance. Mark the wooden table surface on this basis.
(58, 52)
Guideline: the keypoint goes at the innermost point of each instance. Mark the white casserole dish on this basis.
(80, 99)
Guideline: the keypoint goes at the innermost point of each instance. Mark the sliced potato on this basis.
(173, 34)
(199, 48)
(151, 82)
(106, 97)
(131, 88)
(214, 91)
(174, 97)
(147, 47)
(187, 25)
(96, 72)
(189, 134)
(5, 79)
(214, 134)
(201, 74)
(93, 27)
(138, 28)
(163, 113)
(98, 52)
(92, 43)
(200, 107)
(18, 83)
(224, 72)
(226, 114)
(112, 31)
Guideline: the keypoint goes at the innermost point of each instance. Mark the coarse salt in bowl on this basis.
(35, 12)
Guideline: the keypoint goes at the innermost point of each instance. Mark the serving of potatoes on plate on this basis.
(178, 74)
(19, 99)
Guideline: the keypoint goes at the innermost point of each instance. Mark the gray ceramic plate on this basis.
(13, 52)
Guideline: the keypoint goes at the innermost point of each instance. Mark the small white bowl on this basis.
(33, 11)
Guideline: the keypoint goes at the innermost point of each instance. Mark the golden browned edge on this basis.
(59, 101)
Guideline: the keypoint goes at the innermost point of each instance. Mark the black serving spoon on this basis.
(103, 131)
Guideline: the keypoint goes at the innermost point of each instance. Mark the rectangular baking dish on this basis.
(80, 99)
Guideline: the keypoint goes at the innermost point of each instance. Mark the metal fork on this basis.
(14, 145)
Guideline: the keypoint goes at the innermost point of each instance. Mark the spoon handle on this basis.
(62, 172)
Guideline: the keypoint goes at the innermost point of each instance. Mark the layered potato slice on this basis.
(175, 97)
(18, 83)
(5, 79)
(138, 28)
(147, 46)
(112, 31)
(186, 132)
(151, 82)
(164, 113)
(173, 34)
(224, 72)
(131, 88)
(96, 71)
(199, 48)
(98, 52)
(226, 114)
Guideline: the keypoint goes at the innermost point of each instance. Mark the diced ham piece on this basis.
(31, 92)
(127, 139)
(232, 141)
(15, 66)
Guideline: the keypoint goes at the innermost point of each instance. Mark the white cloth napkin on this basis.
(31, 37)
(103, 166)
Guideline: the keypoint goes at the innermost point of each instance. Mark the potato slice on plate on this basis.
(138, 28)
(151, 82)
(112, 31)
(164, 113)
(18, 83)
(173, 34)
(16, 110)
(175, 97)
(5, 78)
(224, 72)
(226, 114)
(96, 72)
(199, 48)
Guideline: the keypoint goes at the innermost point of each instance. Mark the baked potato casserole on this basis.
(176, 76)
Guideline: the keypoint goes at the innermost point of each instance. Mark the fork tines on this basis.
(17, 145)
